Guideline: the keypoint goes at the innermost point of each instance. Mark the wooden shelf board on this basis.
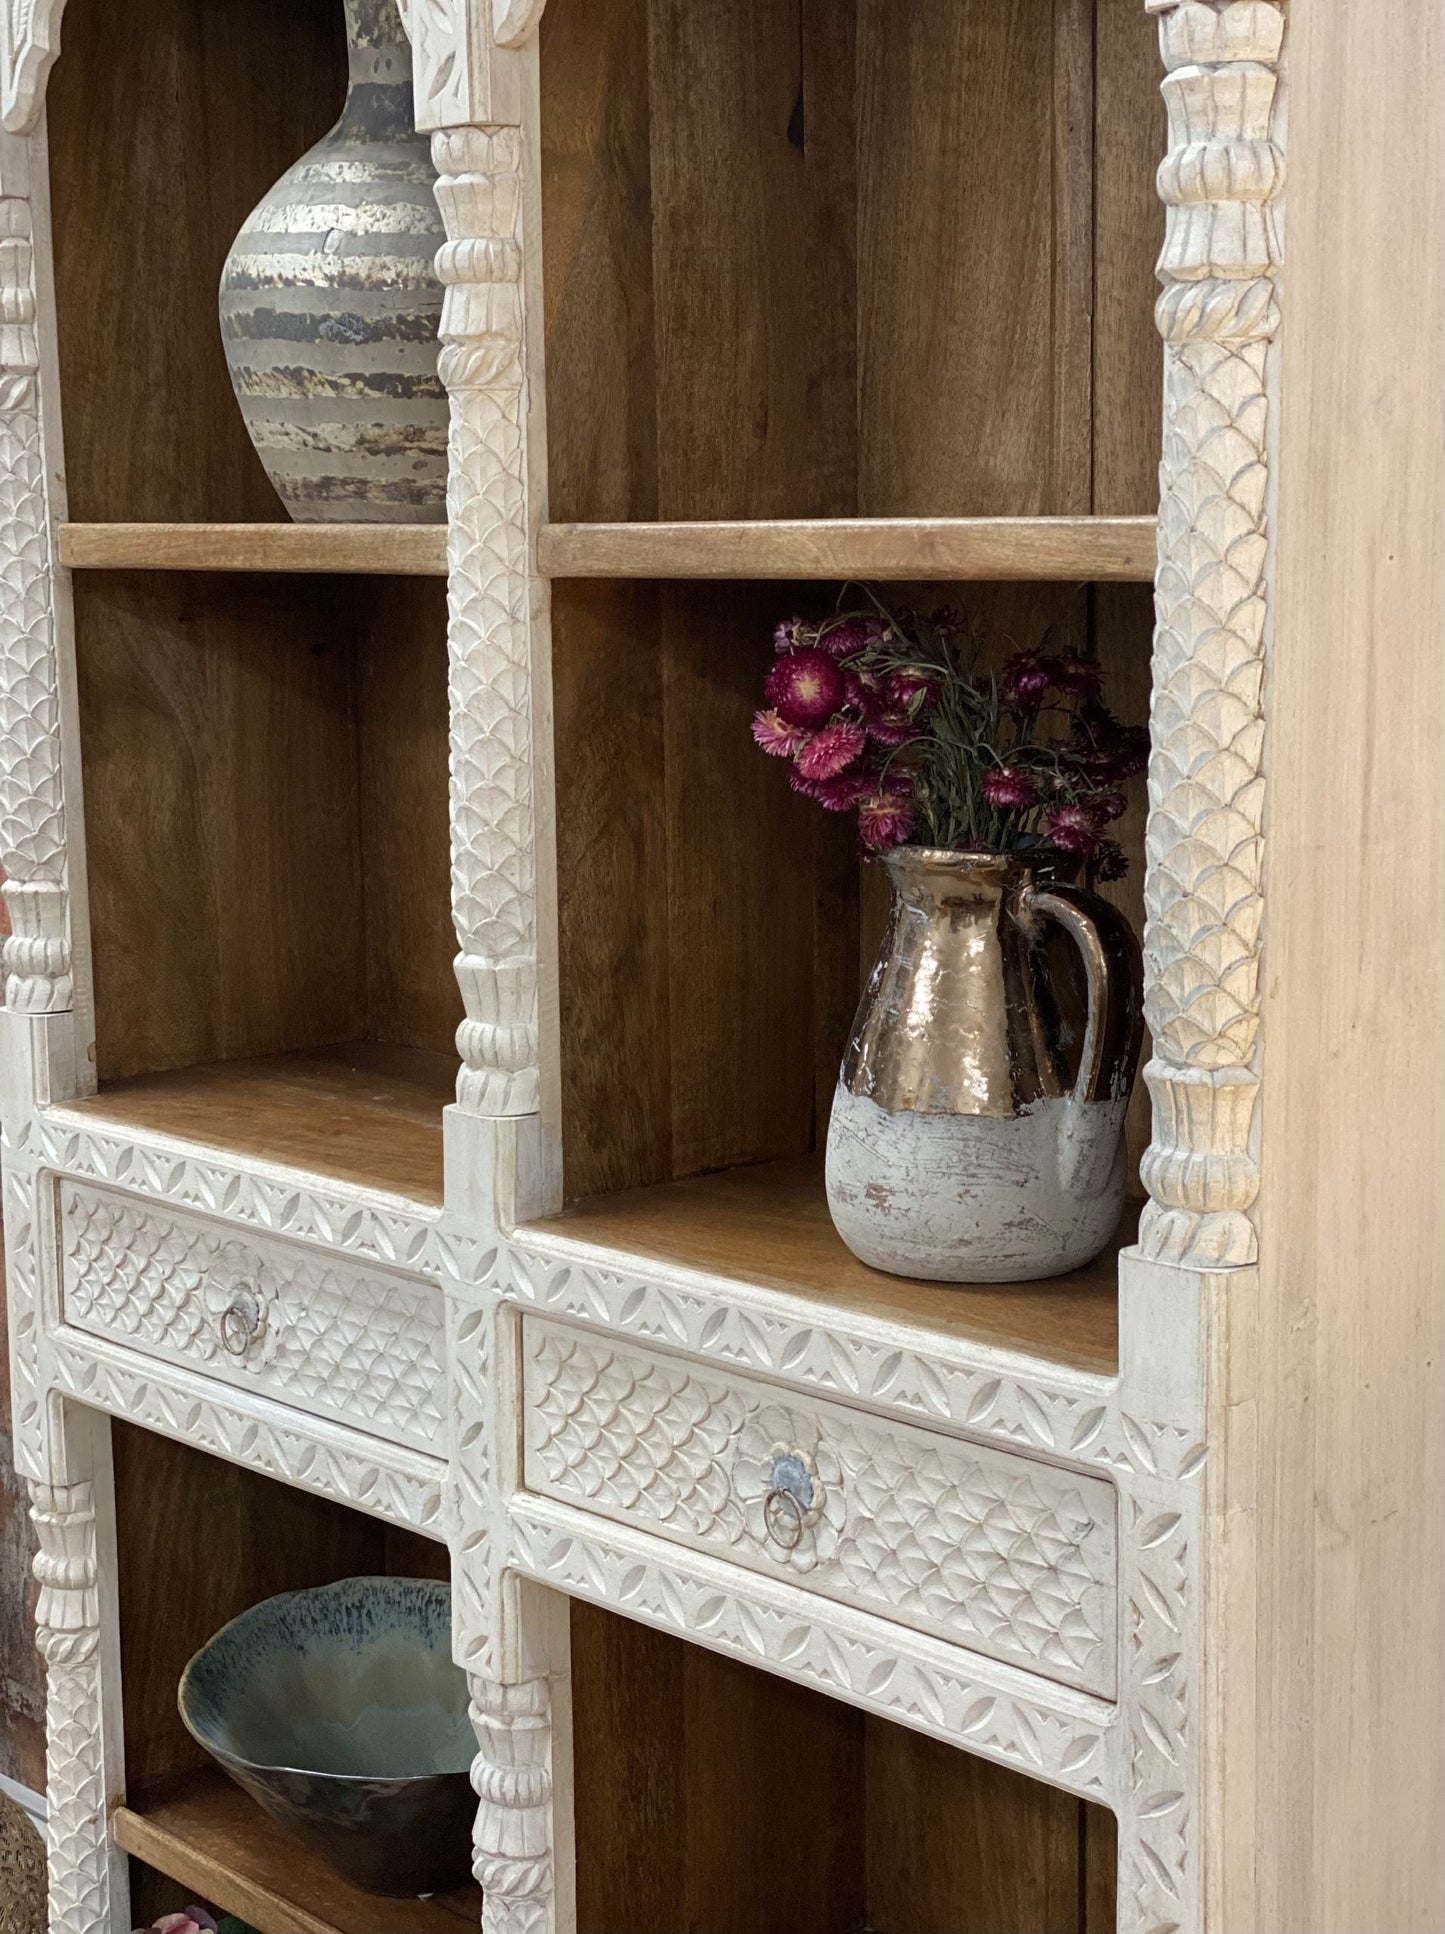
(362, 1112)
(994, 549)
(404, 550)
(206, 1834)
(1033, 549)
(770, 1225)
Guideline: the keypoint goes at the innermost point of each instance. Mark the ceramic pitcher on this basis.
(977, 1134)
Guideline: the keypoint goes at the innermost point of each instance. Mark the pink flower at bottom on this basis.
(832, 750)
(837, 795)
(774, 734)
(885, 815)
(195, 1920)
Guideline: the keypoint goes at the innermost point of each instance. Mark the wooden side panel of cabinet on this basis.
(1327, 1606)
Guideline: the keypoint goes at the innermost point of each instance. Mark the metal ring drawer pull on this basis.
(793, 1501)
(242, 1321)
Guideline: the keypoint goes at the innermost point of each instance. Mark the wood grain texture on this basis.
(207, 1834)
(990, 548)
(405, 550)
(402, 726)
(1327, 1605)
(957, 1846)
(974, 277)
(769, 1224)
(709, 1795)
(1129, 138)
(217, 737)
(166, 127)
(358, 1112)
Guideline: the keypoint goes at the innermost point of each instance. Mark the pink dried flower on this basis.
(1009, 790)
(838, 795)
(774, 734)
(195, 1920)
(1027, 676)
(1073, 829)
(885, 815)
(791, 635)
(804, 687)
(850, 636)
(912, 688)
(832, 750)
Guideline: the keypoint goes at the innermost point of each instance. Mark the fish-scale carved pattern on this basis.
(1203, 897)
(1001, 1560)
(1010, 1558)
(354, 1344)
(494, 890)
(32, 819)
(636, 1436)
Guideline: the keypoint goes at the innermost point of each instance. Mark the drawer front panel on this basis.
(323, 1333)
(1006, 1556)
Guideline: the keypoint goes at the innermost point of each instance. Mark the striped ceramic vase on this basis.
(330, 305)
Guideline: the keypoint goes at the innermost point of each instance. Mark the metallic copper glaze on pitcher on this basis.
(963, 1146)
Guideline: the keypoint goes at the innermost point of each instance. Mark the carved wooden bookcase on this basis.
(1066, 1570)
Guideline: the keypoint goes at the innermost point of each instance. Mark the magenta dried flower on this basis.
(791, 635)
(912, 689)
(849, 636)
(885, 816)
(832, 750)
(1108, 805)
(804, 687)
(1027, 677)
(1073, 829)
(837, 795)
(774, 734)
(1009, 790)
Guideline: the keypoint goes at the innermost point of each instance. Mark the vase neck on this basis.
(379, 104)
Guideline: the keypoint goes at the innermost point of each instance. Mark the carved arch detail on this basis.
(31, 30)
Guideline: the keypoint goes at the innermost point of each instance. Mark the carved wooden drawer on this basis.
(328, 1335)
(996, 1552)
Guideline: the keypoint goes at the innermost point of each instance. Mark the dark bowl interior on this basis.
(341, 1711)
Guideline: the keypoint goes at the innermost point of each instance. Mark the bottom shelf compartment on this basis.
(205, 1834)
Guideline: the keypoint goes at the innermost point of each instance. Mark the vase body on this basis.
(977, 1132)
(330, 306)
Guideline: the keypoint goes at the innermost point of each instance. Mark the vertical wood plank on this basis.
(597, 263)
(754, 392)
(1101, 1869)
(974, 272)
(221, 816)
(615, 930)
(402, 732)
(1328, 1596)
(959, 1846)
(1128, 230)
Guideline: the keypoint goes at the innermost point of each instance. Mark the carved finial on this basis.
(31, 30)
(512, 1777)
(1204, 907)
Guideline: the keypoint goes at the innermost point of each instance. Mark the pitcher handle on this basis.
(1114, 1028)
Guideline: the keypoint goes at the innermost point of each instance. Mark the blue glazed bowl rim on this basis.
(422, 1587)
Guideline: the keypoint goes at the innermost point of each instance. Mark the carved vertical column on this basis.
(68, 1635)
(512, 1774)
(494, 865)
(32, 813)
(1219, 315)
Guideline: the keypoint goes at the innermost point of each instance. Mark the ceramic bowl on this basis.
(341, 1712)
